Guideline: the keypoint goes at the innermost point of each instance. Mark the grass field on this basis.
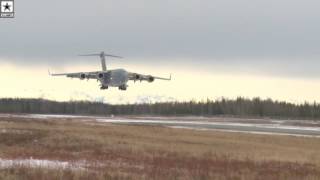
(106, 151)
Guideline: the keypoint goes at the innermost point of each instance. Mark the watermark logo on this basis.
(7, 9)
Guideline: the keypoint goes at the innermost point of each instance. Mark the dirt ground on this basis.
(96, 150)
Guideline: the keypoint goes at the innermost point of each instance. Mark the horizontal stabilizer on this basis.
(101, 55)
(89, 55)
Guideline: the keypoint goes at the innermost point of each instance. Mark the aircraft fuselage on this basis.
(114, 78)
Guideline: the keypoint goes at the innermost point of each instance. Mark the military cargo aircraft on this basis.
(111, 78)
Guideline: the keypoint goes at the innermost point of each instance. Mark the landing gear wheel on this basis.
(123, 87)
(103, 87)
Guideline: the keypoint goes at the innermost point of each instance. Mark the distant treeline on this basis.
(241, 107)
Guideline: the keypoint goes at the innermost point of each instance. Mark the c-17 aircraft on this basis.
(111, 78)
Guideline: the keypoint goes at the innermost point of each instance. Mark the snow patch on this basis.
(48, 116)
(14, 131)
(7, 163)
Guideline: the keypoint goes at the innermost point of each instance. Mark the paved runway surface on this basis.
(257, 126)
(275, 128)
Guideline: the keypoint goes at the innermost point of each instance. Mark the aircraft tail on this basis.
(102, 56)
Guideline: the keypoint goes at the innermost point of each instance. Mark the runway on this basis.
(307, 128)
(270, 128)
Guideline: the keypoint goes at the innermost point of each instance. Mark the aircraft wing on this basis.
(80, 75)
(142, 77)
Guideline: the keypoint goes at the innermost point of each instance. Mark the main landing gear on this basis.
(103, 87)
(123, 87)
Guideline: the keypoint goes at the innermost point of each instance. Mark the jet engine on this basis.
(100, 75)
(137, 77)
(82, 76)
(150, 79)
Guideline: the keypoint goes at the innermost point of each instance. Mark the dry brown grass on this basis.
(146, 152)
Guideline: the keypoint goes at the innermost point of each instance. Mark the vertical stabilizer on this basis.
(103, 61)
(103, 58)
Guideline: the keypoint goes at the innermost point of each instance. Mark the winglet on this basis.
(49, 72)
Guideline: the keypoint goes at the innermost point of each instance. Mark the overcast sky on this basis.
(208, 31)
(278, 38)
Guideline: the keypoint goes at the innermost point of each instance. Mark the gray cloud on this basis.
(269, 35)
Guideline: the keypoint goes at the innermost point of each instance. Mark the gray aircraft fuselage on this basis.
(114, 78)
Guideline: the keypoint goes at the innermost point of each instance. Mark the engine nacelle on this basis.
(137, 77)
(150, 79)
(82, 76)
(100, 75)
